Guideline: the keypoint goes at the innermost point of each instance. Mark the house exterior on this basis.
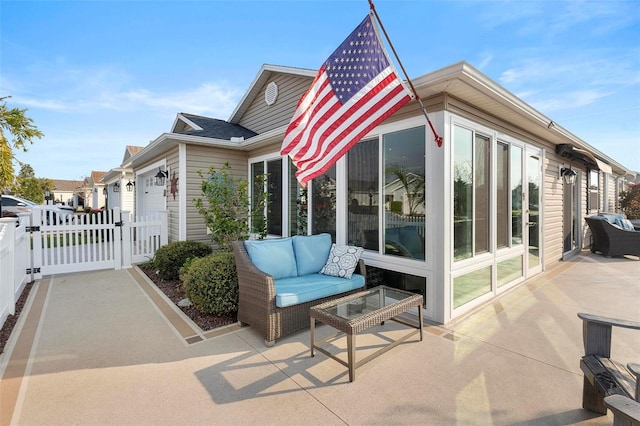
(120, 184)
(493, 209)
(67, 191)
(93, 190)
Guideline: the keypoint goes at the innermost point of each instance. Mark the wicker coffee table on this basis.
(355, 313)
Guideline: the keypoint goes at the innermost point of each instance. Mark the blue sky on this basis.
(99, 75)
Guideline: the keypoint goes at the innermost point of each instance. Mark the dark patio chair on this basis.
(611, 240)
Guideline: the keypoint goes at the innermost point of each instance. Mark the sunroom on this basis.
(458, 224)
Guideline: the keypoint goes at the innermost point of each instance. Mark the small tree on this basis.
(225, 206)
(630, 201)
(21, 128)
(413, 185)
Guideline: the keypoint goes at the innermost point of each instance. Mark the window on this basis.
(274, 188)
(471, 193)
(362, 187)
(391, 207)
(323, 203)
(462, 194)
(508, 195)
(298, 205)
(404, 184)
(593, 195)
(516, 195)
(503, 195)
(482, 184)
(266, 215)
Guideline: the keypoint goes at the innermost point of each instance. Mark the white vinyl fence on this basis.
(83, 242)
(15, 259)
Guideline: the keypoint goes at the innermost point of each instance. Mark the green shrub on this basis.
(396, 206)
(211, 283)
(171, 257)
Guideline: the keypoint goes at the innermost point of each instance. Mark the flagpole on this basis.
(438, 139)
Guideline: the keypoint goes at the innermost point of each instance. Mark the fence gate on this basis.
(81, 242)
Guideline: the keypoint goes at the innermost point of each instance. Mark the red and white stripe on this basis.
(323, 129)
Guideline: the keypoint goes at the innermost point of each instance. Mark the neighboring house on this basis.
(94, 190)
(120, 184)
(193, 145)
(67, 192)
(497, 210)
(408, 191)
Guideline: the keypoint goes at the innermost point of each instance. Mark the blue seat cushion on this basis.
(274, 257)
(295, 290)
(311, 252)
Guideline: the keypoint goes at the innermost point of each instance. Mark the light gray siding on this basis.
(200, 158)
(261, 117)
(173, 215)
(610, 189)
(553, 218)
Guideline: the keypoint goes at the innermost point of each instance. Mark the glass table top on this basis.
(366, 302)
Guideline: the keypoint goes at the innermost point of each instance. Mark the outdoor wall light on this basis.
(160, 177)
(104, 190)
(130, 185)
(116, 187)
(569, 175)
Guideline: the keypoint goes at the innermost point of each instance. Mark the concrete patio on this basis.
(106, 348)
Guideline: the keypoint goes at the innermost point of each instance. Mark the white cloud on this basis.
(206, 99)
(559, 17)
(571, 81)
(90, 90)
(551, 102)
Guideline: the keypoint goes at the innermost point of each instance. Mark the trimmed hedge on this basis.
(211, 283)
(171, 257)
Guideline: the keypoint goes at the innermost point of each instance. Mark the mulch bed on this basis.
(11, 321)
(172, 289)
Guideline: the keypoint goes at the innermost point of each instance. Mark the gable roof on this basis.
(130, 151)
(196, 125)
(261, 78)
(67, 185)
(96, 177)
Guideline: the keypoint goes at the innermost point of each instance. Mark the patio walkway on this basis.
(104, 348)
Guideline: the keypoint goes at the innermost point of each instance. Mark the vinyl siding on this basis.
(610, 188)
(200, 158)
(261, 117)
(173, 215)
(553, 225)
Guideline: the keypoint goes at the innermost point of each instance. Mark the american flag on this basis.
(355, 89)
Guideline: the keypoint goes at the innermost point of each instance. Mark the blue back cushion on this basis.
(312, 252)
(411, 239)
(274, 257)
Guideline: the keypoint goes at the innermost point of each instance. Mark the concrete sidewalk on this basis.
(105, 348)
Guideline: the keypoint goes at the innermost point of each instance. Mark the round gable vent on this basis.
(271, 93)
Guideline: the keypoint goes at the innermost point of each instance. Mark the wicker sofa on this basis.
(613, 240)
(277, 304)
